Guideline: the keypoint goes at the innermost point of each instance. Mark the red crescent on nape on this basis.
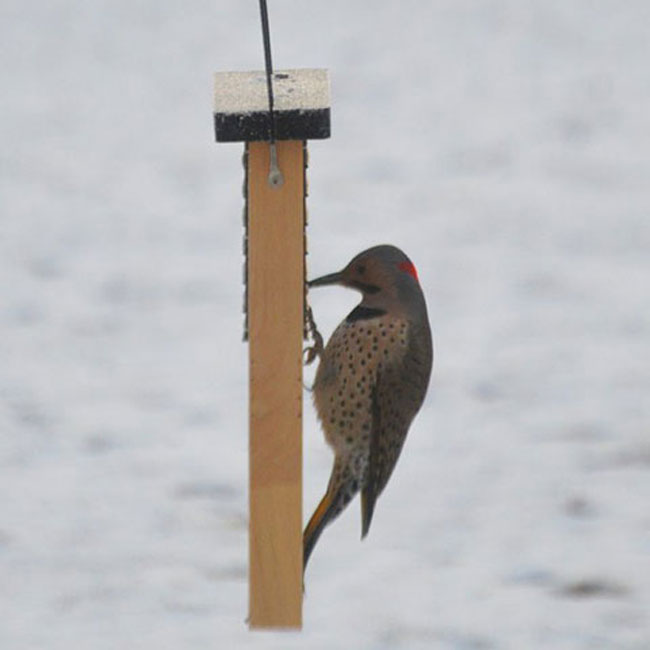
(409, 268)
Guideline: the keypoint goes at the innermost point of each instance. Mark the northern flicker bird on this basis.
(371, 381)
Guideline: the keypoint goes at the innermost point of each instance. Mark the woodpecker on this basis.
(371, 381)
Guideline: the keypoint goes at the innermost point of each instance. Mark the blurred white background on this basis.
(504, 146)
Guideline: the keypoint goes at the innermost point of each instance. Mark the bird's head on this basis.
(383, 274)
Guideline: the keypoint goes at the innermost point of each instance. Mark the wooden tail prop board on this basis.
(275, 321)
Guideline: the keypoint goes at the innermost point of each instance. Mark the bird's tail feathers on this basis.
(342, 487)
(321, 517)
(368, 500)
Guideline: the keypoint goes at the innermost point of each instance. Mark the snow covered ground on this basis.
(504, 145)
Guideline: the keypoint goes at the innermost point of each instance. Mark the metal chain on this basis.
(245, 240)
(310, 328)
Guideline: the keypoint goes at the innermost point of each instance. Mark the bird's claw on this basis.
(311, 353)
(315, 350)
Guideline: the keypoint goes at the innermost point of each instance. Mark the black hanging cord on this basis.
(275, 175)
(269, 66)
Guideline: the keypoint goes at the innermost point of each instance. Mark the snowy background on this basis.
(504, 145)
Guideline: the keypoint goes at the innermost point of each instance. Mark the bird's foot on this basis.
(315, 350)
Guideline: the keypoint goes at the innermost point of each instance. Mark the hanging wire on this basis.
(275, 179)
(275, 175)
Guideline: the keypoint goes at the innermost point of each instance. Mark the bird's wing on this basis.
(398, 393)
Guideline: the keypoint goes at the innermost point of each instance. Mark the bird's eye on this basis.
(361, 269)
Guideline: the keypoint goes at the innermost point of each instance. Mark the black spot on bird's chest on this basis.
(364, 313)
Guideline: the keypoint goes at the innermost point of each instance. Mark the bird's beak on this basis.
(324, 280)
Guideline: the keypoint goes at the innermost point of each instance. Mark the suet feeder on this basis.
(275, 162)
